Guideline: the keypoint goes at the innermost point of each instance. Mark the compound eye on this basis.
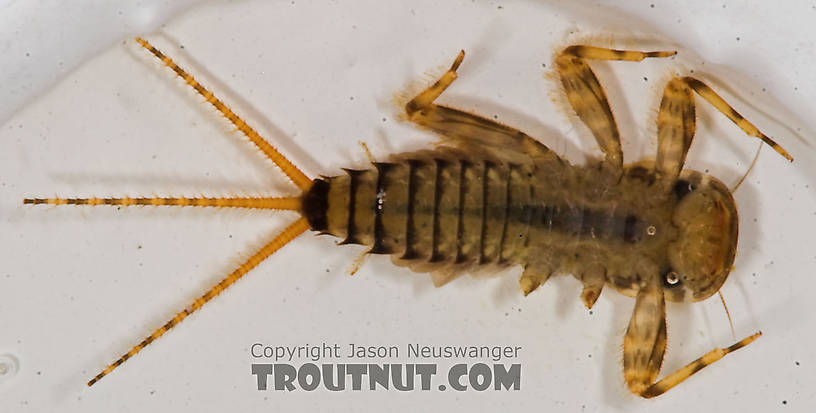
(672, 278)
(683, 188)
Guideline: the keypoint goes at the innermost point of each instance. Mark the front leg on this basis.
(676, 125)
(645, 341)
(587, 98)
(645, 344)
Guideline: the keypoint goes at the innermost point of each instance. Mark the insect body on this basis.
(492, 195)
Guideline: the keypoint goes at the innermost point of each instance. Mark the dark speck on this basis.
(645, 79)
(738, 39)
(651, 5)
(797, 363)
(784, 402)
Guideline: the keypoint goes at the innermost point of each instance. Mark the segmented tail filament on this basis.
(276, 203)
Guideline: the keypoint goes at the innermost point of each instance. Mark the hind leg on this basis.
(465, 129)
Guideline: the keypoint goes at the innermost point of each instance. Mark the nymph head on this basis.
(701, 255)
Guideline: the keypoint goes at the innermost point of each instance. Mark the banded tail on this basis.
(282, 203)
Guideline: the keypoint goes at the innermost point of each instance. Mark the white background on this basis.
(84, 111)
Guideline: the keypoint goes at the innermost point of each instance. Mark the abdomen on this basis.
(437, 207)
(444, 208)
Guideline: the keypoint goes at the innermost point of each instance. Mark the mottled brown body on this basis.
(447, 210)
(491, 196)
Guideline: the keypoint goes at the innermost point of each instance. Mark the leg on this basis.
(299, 178)
(721, 105)
(645, 344)
(290, 233)
(461, 128)
(676, 124)
(587, 98)
(685, 372)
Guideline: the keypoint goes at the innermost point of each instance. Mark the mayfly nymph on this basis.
(490, 195)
